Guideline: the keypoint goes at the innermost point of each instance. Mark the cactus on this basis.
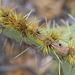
(52, 42)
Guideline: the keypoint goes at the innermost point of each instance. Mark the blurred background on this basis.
(33, 62)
